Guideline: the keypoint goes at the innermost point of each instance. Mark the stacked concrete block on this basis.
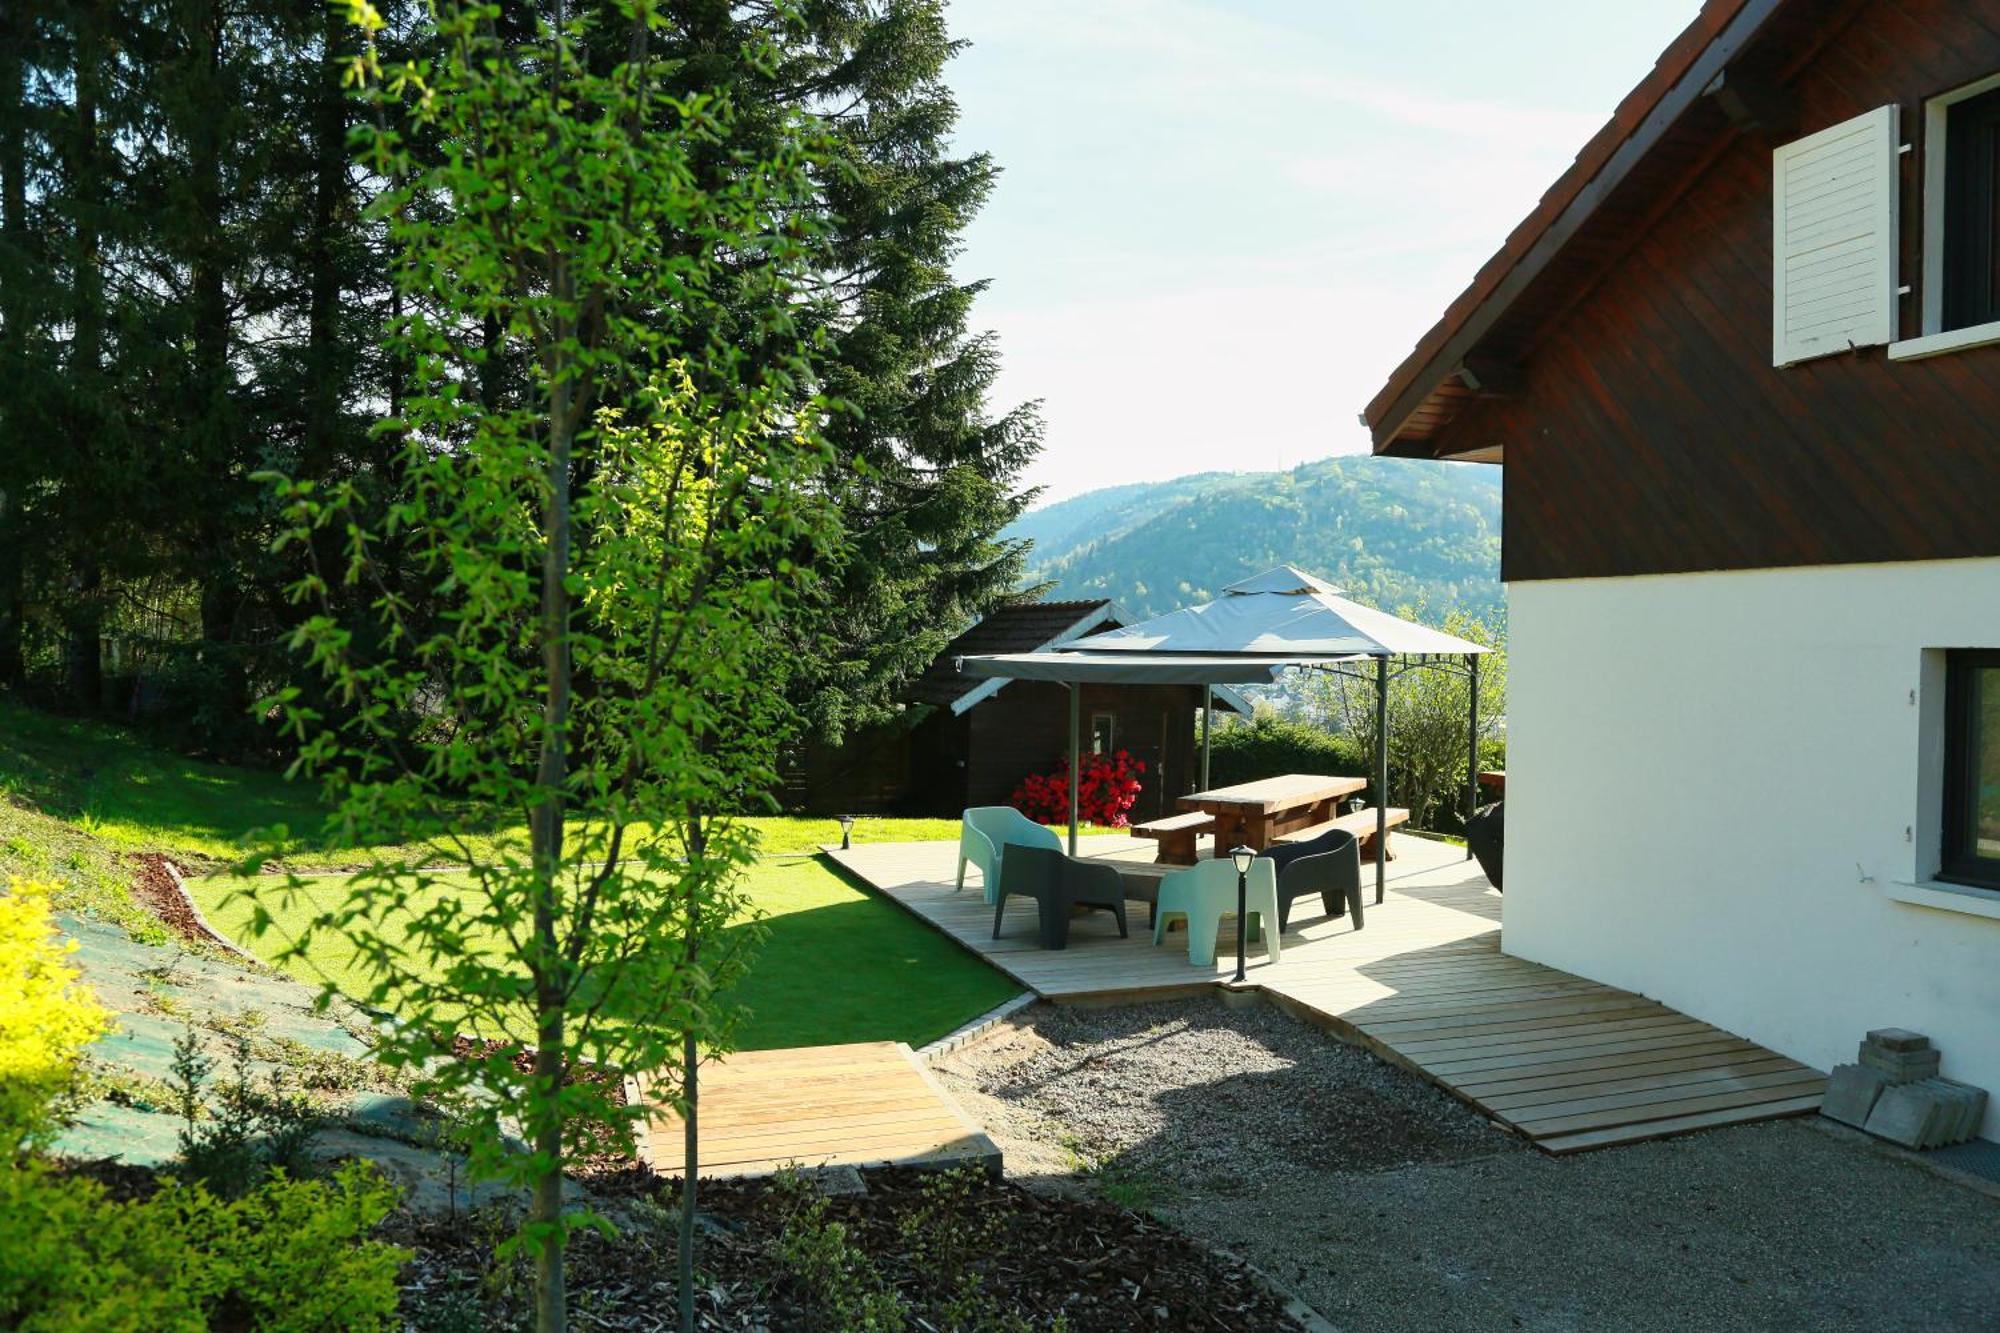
(1903, 1055)
(1894, 1093)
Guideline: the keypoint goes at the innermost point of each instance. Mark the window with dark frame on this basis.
(1103, 733)
(1972, 212)
(1972, 769)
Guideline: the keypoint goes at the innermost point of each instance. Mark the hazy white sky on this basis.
(1221, 223)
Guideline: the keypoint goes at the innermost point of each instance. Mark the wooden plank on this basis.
(1644, 1130)
(1587, 1070)
(1435, 1035)
(1795, 1085)
(1688, 1038)
(1684, 1074)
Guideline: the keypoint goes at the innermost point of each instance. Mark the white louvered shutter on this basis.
(1833, 239)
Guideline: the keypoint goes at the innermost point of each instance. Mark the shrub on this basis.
(293, 1256)
(1270, 744)
(1110, 786)
(46, 1018)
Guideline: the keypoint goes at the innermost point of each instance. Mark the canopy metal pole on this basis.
(1075, 774)
(1381, 775)
(1472, 753)
(1207, 723)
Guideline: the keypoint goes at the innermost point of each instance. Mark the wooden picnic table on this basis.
(1254, 814)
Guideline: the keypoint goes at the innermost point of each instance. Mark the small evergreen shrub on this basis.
(290, 1257)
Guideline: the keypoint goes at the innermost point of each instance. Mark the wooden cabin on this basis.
(1742, 369)
(964, 742)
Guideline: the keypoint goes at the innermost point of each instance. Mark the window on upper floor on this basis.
(1968, 288)
(1971, 843)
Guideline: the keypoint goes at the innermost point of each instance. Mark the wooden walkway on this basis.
(1569, 1063)
(866, 1104)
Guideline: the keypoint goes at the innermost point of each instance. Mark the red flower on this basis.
(1106, 790)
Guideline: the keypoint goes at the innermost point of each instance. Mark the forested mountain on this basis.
(1390, 531)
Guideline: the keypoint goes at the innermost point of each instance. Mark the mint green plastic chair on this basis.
(1205, 893)
(984, 836)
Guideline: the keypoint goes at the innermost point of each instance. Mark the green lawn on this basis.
(133, 797)
(838, 964)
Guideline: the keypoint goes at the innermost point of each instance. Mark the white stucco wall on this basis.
(1715, 784)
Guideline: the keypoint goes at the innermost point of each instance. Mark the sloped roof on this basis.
(1020, 628)
(1587, 218)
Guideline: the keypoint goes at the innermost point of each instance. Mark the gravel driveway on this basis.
(1388, 1205)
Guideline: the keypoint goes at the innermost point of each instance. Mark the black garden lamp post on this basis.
(846, 830)
(1242, 856)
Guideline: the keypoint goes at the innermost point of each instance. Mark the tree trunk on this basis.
(83, 617)
(546, 825)
(14, 321)
(690, 1091)
(690, 1169)
(323, 378)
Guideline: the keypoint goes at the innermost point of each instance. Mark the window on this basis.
(1971, 847)
(1970, 282)
(1103, 733)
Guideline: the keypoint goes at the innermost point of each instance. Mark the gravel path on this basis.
(1388, 1205)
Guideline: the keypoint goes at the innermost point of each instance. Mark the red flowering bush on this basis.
(1110, 785)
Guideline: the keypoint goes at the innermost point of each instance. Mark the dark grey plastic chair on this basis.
(1329, 865)
(1057, 883)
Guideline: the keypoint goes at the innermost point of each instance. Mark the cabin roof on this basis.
(1020, 628)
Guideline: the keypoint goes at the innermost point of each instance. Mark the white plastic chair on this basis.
(984, 835)
(1205, 893)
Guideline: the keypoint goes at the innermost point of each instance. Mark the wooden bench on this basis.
(1361, 824)
(1176, 835)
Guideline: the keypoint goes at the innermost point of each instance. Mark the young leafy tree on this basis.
(613, 553)
(1427, 719)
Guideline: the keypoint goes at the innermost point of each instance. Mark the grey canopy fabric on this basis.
(1128, 668)
(1282, 613)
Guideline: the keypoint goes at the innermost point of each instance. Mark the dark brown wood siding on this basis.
(1025, 729)
(1653, 435)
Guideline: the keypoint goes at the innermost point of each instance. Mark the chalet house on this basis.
(1742, 368)
(964, 742)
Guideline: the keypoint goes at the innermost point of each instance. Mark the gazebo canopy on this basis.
(1283, 613)
(1281, 618)
(1128, 668)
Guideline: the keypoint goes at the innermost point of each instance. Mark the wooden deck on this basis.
(1569, 1063)
(866, 1104)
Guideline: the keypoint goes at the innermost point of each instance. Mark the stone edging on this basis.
(979, 1027)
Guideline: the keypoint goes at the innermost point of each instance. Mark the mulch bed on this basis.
(1095, 1266)
(153, 885)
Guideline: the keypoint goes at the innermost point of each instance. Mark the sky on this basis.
(1222, 223)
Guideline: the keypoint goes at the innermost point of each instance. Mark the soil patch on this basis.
(1029, 1258)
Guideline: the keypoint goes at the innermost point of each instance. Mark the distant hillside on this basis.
(1390, 531)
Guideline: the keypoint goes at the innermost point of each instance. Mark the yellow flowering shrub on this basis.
(47, 1017)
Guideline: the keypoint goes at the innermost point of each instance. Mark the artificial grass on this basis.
(836, 965)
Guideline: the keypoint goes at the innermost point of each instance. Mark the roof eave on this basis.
(1442, 352)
